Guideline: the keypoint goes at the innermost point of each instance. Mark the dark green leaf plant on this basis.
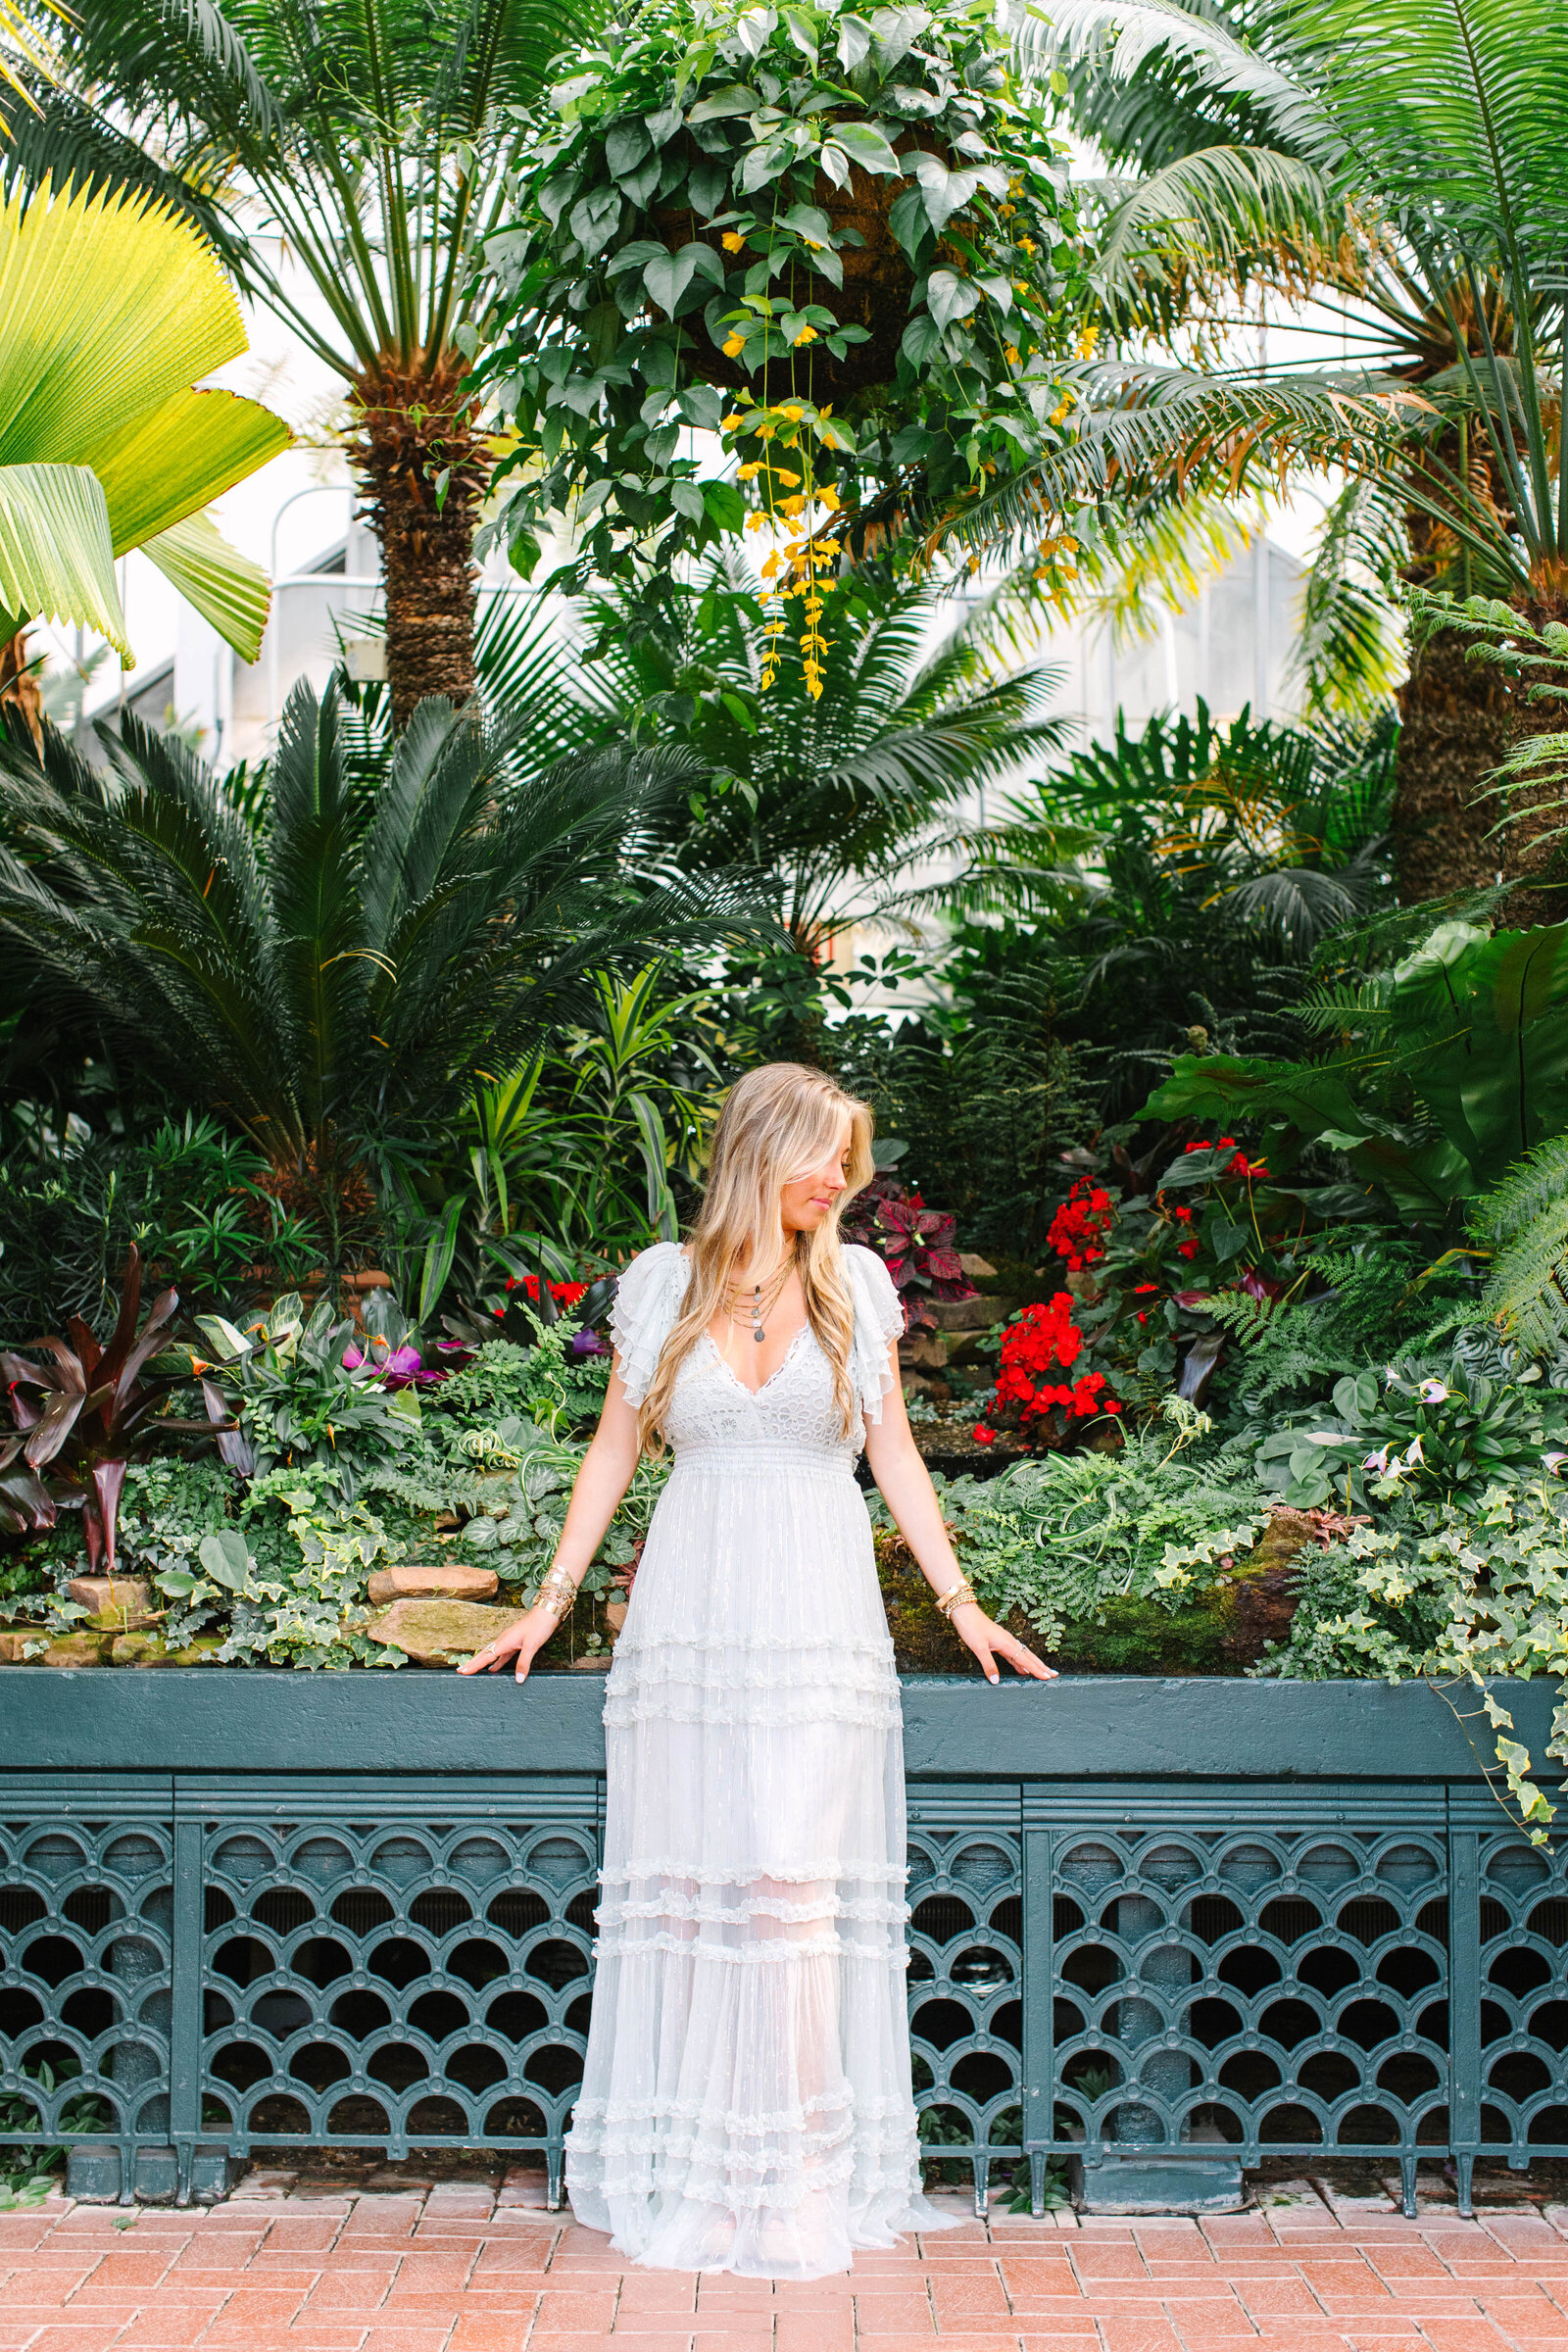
(845, 243)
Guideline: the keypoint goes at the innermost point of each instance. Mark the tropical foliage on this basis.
(362, 147)
(111, 311)
(369, 957)
(852, 230)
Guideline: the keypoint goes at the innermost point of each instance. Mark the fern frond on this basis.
(1526, 1222)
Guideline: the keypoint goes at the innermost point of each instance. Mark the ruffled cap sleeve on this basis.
(646, 1302)
(878, 1322)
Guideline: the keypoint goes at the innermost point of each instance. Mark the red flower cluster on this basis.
(564, 1293)
(1044, 1336)
(1240, 1166)
(1079, 1227)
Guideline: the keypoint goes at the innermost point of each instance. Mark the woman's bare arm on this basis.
(606, 1474)
(909, 1493)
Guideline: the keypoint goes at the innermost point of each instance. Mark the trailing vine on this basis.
(853, 226)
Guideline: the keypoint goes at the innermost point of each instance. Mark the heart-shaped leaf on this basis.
(949, 297)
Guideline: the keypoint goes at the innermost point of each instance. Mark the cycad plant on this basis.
(368, 956)
(345, 158)
(1422, 193)
(825, 799)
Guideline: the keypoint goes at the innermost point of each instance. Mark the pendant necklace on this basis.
(760, 1304)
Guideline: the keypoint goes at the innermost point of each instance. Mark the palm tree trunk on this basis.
(1459, 718)
(418, 456)
(19, 684)
(1454, 725)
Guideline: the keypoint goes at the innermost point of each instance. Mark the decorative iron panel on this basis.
(1255, 1978)
(395, 1961)
(398, 1965)
(86, 1960)
(1522, 2036)
(965, 1892)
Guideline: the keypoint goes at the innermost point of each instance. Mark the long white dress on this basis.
(746, 2099)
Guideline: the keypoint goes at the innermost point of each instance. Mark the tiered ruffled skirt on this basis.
(746, 2103)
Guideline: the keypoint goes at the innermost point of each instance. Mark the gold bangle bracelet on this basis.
(959, 1598)
(558, 1594)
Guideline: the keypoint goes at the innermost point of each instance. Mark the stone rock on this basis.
(450, 1578)
(926, 1352)
(111, 1599)
(966, 1314)
(599, 1663)
(978, 1269)
(13, 1640)
(147, 1650)
(439, 1633)
(76, 1650)
(614, 1615)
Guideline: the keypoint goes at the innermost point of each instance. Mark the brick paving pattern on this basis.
(457, 2271)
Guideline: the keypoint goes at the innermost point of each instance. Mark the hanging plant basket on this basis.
(876, 296)
(810, 210)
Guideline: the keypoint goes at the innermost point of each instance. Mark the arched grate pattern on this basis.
(211, 1964)
(85, 1966)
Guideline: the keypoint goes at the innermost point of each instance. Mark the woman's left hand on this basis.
(977, 1632)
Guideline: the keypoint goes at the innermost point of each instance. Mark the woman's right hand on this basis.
(522, 1640)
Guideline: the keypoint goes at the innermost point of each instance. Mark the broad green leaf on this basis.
(626, 143)
(177, 458)
(866, 145)
(594, 220)
(108, 307)
(225, 587)
(56, 556)
(950, 297)
(946, 192)
(854, 42)
(667, 278)
(736, 98)
(227, 1559)
(808, 220)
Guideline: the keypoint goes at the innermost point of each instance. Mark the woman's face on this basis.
(806, 1199)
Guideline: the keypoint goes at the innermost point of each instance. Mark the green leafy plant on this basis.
(1447, 1067)
(304, 1393)
(371, 955)
(853, 226)
(188, 1195)
(1524, 1220)
(1463, 1594)
(1428, 1430)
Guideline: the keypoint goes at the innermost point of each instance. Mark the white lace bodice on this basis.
(713, 1413)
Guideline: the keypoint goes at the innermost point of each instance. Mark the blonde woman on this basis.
(746, 2103)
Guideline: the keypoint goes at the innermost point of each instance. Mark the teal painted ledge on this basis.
(1086, 1728)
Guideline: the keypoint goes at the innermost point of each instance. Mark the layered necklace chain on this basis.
(752, 1304)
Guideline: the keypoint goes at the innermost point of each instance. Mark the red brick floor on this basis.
(455, 2271)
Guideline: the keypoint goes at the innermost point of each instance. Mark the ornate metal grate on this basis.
(210, 1964)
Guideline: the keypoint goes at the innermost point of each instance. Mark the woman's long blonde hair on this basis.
(775, 1126)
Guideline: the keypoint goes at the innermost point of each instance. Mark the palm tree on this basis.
(372, 954)
(362, 139)
(824, 799)
(1425, 138)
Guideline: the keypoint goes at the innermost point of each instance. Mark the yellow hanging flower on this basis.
(732, 423)
(733, 348)
(807, 334)
(732, 240)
